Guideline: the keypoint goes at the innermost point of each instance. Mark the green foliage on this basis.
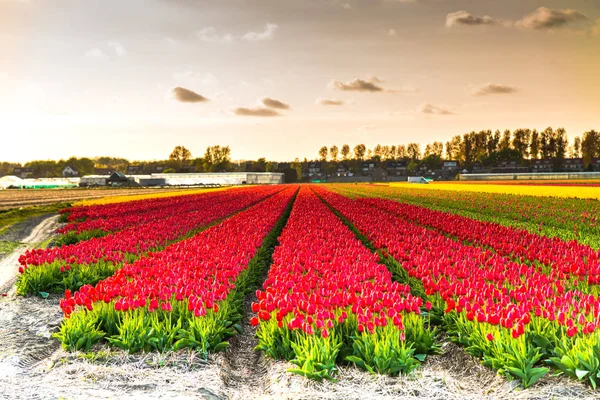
(80, 332)
(579, 359)
(315, 356)
(384, 352)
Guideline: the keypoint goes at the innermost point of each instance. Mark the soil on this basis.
(13, 198)
(33, 366)
(29, 233)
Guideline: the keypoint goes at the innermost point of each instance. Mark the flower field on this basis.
(580, 191)
(324, 278)
(87, 262)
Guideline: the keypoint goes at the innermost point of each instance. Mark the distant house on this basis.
(367, 167)
(545, 165)
(102, 171)
(479, 168)
(22, 172)
(595, 164)
(396, 168)
(69, 172)
(342, 170)
(379, 174)
(573, 164)
(315, 169)
(134, 169)
(117, 179)
(158, 169)
(512, 166)
(450, 165)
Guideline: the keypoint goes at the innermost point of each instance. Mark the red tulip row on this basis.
(326, 290)
(124, 217)
(511, 314)
(111, 210)
(565, 218)
(89, 261)
(187, 295)
(563, 259)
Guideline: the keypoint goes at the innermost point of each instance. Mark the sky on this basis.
(281, 78)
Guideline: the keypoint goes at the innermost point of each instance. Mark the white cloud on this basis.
(267, 34)
(462, 18)
(392, 32)
(209, 34)
(329, 102)
(548, 18)
(432, 109)
(492, 88)
(118, 48)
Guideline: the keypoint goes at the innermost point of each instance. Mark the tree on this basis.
(297, 166)
(359, 151)
(576, 147)
(561, 140)
(345, 152)
(179, 156)
(494, 143)
(272, 166)
(393, 152)
(434, 149)
(217, 159)
(260, 165)
(377, 152)
(590, 147)
(453, 148)
(547, 143)
(505, 141)
(323, 153)
(534, 144)
(401, 152)
(414, 151)
(333, 152)
(520, 142)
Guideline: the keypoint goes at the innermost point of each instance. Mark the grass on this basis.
(7, 247)
(16, 215)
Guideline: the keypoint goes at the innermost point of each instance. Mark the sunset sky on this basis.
(280, 78)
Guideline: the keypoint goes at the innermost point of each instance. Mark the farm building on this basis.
(14, 182)
(93, 180)
(222, 178)
(149, 180)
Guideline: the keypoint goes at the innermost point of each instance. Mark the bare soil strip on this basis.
(9, 266)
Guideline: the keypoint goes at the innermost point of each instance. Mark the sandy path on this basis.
(9, 266)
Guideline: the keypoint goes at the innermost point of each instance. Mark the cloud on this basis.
(95, 53)
(462, 18)
(255, 112)
(210, 35)
(118, 48)
(330, 102)
(431, 109)
(267, 34)
(346, 6)
(273, 103)
(184, 95)
(392, 32)
(357, 85)
(548, 18)
(493, 88)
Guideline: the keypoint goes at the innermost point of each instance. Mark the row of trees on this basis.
(485, 147)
